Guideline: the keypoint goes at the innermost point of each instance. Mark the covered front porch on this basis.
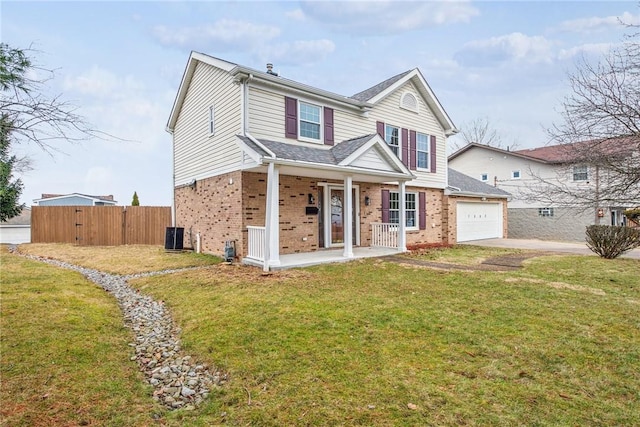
(337, 175)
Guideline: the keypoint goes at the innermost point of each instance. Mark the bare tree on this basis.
(479, 131)
(600, 130)
(36, 117)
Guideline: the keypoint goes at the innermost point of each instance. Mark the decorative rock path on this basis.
(179, 381)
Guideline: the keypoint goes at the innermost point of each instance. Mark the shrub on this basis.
(610, 241)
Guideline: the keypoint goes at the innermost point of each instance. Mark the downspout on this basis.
(173, 179)
(245, 116)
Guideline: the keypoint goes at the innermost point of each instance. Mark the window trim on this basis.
(212, 119)
(320, 123)
(514, 172)
(399, 146)
(546, 212)
(403, 106)
(428, 142)
(484, 177)
(416, 209)
(585, 173)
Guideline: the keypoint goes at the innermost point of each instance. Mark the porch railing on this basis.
(256, 242)
(384, 235)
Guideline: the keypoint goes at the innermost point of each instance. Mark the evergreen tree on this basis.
(10, 189)
(135, 201)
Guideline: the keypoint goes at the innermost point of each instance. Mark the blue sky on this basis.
(121, 63)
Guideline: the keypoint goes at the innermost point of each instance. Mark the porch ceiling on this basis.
(337, 175)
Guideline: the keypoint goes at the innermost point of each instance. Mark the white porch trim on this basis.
(272, 220)
(402, 226)
(347, 213)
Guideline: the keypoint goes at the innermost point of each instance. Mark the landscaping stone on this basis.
(156, 343)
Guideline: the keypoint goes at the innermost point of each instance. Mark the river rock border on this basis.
(179, 381)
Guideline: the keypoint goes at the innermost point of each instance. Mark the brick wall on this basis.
(565, 224)
(212, 207)
(222, 207)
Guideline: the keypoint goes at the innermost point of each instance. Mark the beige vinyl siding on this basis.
(266, 114)
(372, 160)
(197, 154)
(388, 110)
(347, 125)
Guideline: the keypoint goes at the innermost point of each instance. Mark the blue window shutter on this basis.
(422, 206)
(291, 117)
(385, 206)
(405, 147)
(432, 153)
(328, 126)
(380, 129)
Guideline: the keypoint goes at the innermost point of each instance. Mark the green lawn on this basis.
(377, 343)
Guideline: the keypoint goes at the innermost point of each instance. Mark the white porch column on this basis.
(272, 219)
(347, 212)
(402, 226)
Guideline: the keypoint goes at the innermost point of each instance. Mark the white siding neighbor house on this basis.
(518, 172)
(74, 199)
(278, 167)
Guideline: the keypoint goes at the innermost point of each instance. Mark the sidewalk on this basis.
(544, 245)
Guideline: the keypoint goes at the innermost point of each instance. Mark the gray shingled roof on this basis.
(332, 156)
(469, 185)
(367, 94)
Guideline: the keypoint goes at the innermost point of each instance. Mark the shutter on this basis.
(291, 117)
(328, 126)
(422, 207)
(380, 129)
(405, 147)
(385, 206)
(413, 153)
(432, 153)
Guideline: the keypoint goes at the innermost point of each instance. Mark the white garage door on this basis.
(477, 221)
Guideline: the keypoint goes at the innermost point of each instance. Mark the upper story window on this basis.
(212, 120)
(580, 173)
(515, 174)
(310, 121)
(546, 212)
(411, 209)
(422, 150)
(484, 177)
(409, 102)
(392, 137)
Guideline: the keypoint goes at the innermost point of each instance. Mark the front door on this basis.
(334, 216)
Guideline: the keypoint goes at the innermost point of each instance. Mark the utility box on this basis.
(229, 250)
(174, 238)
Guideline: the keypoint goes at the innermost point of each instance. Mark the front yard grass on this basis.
(65, 354)
(467, 255)
(377, 343)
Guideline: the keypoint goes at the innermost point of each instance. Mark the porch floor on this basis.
(325, 256)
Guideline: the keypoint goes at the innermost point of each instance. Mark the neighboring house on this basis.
(475, 210)
(280, 167)
(517, 172)
(17, 229)
(74, 199)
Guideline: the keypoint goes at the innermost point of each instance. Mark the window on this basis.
(515, 174)
(580, 173)
(409, 102)
(547, 212)
(309, 121)
(422, 150)
(411, 209)
(212, 120)
(484, 177)
(392, 137)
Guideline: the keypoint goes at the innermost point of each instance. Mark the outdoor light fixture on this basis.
(312, 199)
(367, 201)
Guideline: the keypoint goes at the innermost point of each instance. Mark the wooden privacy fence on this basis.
(100, 225)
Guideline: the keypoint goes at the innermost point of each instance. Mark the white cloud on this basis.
(596, 23)
(596, 49)
(223, 35)
(516, 47)
(99, 82)
(301, 52)
(387, 17)
(296, 15)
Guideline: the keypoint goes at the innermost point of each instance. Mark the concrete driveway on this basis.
(544, 245)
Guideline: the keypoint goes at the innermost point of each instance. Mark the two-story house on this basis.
(523, 173)
(280, 167)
